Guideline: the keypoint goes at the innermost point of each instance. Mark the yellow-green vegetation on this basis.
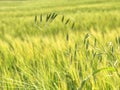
(38, 55)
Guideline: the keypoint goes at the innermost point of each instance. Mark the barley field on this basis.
(59, 44)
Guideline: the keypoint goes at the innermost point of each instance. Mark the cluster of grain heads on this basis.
(36, 24)
(44, 21)
(67, 21)
(50, 17)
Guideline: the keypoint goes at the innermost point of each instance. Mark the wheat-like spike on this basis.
(67, 21)
(35, 19)
(62, 18)
(87, 44)
(112, 49)
(67, 37)
(41, 18)
(73, 25)
(49, 16)
(86, 36)
(52, 16)
(55, 16)
(94, 54)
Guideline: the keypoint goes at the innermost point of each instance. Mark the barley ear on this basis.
(41, 18)
(35, 19)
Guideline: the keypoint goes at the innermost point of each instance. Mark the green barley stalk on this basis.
(86, 37)
(93, 74)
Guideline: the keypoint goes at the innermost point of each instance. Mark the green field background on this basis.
(54, 56)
